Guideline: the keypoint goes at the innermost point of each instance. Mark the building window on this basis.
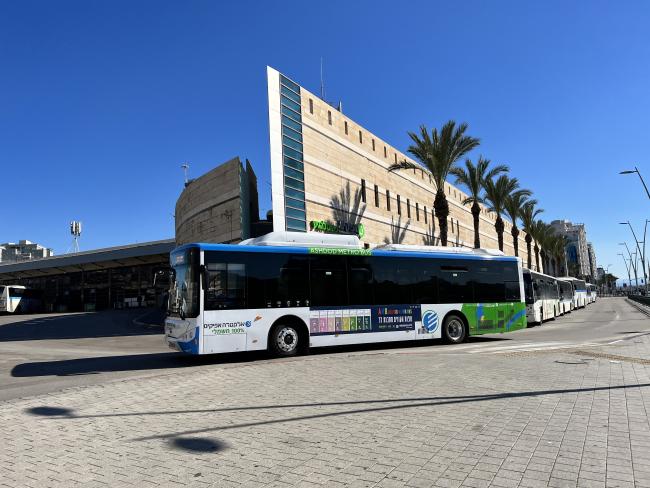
(363, 191)
(311, 106)
(426, 219)
(385, 152)
(292, 156)
(408, 208)
(399, 205)
(361, 137)
(345, 124)
(329, 117)
(376, 196)
(395, 157)
(373, 144)
(417, 211)
(388, 200)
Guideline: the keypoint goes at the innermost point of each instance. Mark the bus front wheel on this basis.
(454, 330)
(285, 340)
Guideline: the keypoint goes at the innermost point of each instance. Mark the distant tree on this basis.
(514, 208)
(439, 152)
(474, 178)
(528, 218)
(496, 193)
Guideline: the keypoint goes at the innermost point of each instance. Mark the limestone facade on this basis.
(337, 151)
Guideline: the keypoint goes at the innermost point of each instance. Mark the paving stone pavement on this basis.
(385, 419)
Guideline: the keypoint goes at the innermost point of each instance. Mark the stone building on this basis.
(11, 252)
(218, 206)
(328, 170)
(577, 247)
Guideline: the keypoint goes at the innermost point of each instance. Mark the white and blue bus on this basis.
(542, 297)
(19, 299)
(579, 291)
(592, 292)
(286, 292)
(566, 296)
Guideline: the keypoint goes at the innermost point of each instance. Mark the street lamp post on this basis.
(641, 254)
(636, 170)
(632, 263)
(627, 268)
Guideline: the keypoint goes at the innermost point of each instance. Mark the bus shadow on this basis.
(124, 363)
(113, 323)
(174, 360)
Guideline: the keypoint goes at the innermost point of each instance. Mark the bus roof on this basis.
(418, 251)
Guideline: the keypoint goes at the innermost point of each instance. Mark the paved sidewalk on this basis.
(541, 418)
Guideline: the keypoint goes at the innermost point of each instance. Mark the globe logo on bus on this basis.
(430, 321)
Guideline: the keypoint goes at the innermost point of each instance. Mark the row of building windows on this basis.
(292, 156)
(399, 203)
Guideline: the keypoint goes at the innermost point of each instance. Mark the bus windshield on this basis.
(184, 284)
(528, 288)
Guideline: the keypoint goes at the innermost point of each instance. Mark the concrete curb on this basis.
(641, 308)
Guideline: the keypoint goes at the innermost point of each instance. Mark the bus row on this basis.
(548, 297)
(287, 292)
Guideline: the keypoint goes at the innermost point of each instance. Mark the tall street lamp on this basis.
(632, 263)
(636, 170)
(627, 268)
(641, 254)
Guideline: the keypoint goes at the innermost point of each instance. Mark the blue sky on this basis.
(100, 102)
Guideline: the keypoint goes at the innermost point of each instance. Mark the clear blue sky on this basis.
(100, 102)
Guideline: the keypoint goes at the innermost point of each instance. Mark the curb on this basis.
(641, 308)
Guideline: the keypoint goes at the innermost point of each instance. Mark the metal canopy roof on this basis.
(110, 257)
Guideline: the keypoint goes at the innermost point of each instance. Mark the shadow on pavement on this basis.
(194, 444)
(401, 404)
(111, 323)
(165, 360)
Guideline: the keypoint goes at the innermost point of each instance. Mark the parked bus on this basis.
(542, 297)
(19, 299)
(566, 296)
(579, 291)
(287, 291)
(592, 291)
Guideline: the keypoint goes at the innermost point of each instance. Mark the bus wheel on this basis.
(454, 330)
(284, 340)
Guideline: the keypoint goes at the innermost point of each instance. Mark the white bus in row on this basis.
(548, 297)
(19, 299)
(592, 293)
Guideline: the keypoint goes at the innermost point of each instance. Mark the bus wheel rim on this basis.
(287, 339)
(455, 329)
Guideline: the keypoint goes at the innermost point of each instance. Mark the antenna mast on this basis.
(322, 83)
(75, 231)
(186, 169)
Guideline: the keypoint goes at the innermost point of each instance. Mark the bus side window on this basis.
(455, 284)
(360, 281)
(293, 285)
(328, 280)
(225, 286)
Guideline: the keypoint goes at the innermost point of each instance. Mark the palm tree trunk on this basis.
(529, 239)
(536, 248)
(441, 207)
(476, 212)
(515, 239)
(499, 226)
(542, 253)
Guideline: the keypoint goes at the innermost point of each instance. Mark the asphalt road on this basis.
(45, 353)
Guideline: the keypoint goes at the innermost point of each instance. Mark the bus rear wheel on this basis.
(284, 340)
(454, 330)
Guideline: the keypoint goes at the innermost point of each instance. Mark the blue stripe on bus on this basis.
(305, 250)
(515, 317)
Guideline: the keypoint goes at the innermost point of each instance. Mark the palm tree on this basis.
(397, 232)
(439, 152)
(496, 193)
(538, 233)
(558, 251)
(528, 217)
(474, 178)
(514, 208)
